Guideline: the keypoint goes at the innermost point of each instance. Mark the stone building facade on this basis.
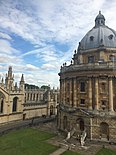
(88, 85)
(40, 102)
(11, 98)
(19, 103)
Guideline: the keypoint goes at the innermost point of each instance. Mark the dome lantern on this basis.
(99, 20)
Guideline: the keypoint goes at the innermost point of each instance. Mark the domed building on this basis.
(88, 86)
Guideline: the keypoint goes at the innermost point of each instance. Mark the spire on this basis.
(10, 72)
(15, 85)
(2, 80)
(99, 20)
(22, 78)
(22, 83)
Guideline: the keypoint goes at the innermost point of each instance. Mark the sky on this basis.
(38, 36)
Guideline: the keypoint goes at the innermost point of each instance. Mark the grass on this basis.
(33, 142)
(26, 142)
(105, 151)
(70, 153)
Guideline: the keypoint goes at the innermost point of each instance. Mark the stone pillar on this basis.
(75, 93)
(63, 91)
(91, 129)
(70, 91)
(96, 93)
(55, 105)
(90, 94)
(110, 94)
(81, 59)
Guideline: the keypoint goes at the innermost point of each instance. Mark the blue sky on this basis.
(38, 36)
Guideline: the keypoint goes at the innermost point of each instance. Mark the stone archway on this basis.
(65, 122)
(104, 131)
(51, 110)
(81, 124)
(2, 101)
(14, 106)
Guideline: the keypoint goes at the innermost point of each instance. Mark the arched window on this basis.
(14, 107)
(91, 38)
(28, 97)
(2, 97)
(31, 97)
(51, 110)
(81, 124)
(64, 122)
(1, 106)
(37, 97)
(110, 37)
(104, 130)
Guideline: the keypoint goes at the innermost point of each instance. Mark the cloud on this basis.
(30, 67)
(48, 26)
(39, 22)
(48, 67)
(53, 20)
(5, 36)
(6, 47)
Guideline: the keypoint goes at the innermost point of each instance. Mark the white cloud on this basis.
(5, 47)
(52, 20)
(5, 36)
(45, 23)
(30, 67)
(48, 67)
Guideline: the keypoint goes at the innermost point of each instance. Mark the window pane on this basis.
(82, 101)
(82, 87)
(90, 59)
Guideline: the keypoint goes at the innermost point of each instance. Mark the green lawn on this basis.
(70, 153)
(105, 151)
(26, 142)
(33, 142)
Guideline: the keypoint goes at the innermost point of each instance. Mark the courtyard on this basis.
(44, 140)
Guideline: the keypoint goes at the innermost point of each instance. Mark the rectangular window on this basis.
(68, 87)
(103, 87)
(68, 99)
(91, 59)
(82, 87)
(82, 101)
(104, 103)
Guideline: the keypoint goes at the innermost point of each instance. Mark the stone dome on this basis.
(99, 36)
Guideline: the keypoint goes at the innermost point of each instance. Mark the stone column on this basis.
(90, 94)
(75, 93)
(61, 91)
(64, 91)
(110, 94)
(70, 91)
(96, 93)
(55, 106)
(91, 129)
